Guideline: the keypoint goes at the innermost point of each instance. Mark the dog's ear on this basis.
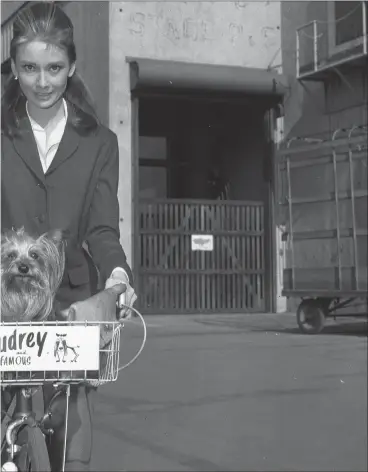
(7, 235)
(4, 239)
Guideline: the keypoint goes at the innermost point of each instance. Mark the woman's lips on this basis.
(43, 96)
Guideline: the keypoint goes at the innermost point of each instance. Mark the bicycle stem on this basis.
(23, 402)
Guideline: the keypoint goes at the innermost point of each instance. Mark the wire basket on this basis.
(36, 353)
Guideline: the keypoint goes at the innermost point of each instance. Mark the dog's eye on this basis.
(34, 255)
(12, 255)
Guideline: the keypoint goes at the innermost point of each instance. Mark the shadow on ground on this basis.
(341, 327)
(359, 329)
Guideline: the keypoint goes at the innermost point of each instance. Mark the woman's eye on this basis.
(55, 69)
(28, 68)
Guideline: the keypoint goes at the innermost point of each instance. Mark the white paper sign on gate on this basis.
(49, 348)
(202, 242)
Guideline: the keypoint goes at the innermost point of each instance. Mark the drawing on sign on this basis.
(202, 243)
(61, 349)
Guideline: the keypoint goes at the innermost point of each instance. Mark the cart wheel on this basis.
(310, 317)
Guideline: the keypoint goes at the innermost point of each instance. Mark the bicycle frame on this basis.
(24, 414)
(42, 354)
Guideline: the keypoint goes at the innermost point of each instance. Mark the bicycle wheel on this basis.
(33, 456)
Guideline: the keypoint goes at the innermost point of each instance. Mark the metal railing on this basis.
(322, 205)
(6, 37)
(316, 50)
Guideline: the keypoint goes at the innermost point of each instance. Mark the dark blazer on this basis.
(78, 194)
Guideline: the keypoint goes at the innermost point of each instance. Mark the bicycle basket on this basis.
(53, 352)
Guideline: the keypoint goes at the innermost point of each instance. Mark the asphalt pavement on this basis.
(236, 393)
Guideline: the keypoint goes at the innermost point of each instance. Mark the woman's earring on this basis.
(15, 77)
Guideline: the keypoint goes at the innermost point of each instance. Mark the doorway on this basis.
(201, 175)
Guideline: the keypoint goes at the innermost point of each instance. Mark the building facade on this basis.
(324, 50)
(192, 90)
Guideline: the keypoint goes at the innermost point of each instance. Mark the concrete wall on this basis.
(231, 33)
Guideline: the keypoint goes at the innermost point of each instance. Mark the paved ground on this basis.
(237, 393)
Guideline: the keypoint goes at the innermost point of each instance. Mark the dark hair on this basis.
(47, 22)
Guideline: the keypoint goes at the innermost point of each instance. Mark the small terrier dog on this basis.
(31, 273)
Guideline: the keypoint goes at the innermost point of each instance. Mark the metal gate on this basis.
(174, 278)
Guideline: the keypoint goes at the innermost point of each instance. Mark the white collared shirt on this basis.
(48, 138)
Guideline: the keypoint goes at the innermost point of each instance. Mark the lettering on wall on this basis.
(191, 29)
(137, 23)
(171, 30)
(196, 30)
(205, 31)
(236, 30)
(188, 28)
(267, 31)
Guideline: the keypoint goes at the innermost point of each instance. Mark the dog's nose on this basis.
(23, 268)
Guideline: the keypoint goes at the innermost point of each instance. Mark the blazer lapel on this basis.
(67, 147)
(26, 147)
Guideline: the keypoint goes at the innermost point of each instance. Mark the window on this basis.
(152, 167)
(152, 147)
(152, 182)
(345, 21)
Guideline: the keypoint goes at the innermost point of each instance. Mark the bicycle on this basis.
(34, 354)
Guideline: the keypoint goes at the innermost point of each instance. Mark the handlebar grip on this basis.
(122, 299)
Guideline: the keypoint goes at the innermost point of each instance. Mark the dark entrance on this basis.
(202, 176)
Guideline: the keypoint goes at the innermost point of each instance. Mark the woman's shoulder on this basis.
(88, 125)
(99, 135)
(106, 134)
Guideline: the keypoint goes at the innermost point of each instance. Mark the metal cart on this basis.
(322, 186)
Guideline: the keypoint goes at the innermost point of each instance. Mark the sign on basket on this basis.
(49, 348)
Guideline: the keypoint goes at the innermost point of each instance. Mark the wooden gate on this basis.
(172, 278)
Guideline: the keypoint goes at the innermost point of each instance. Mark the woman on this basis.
(60, 170)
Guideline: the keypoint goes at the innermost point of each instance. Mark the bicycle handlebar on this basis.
(97, 312)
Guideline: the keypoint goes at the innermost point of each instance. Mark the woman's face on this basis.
(42, 70)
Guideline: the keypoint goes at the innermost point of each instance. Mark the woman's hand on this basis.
(128, 297)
